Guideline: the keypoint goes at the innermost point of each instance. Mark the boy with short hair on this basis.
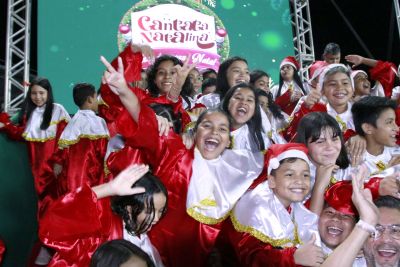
(331, 53)
(374, 118)
(83, 143)
(269, 225)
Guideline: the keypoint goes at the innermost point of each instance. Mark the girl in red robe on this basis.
(203, 183)
(290, 88)
(40, 124)
(76, 224)
(167, 78)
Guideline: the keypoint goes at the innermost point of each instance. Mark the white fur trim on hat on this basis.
(287, 63)
(321, 79)
(273, 163)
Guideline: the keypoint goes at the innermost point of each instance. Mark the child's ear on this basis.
(90, 99)
(229, 142)
(271, 181)
(367, 128)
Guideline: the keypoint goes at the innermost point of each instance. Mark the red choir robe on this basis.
(385, 73)
(82, 146)
(76, 224)
(284, 100)
(344, 120)
(185, 236)
(261, 231)
(111, 106)
(41, 144)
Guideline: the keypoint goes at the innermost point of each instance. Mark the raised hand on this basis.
(114, 78)
(188, 140)
(313, 97)
(324, 174)
(146, 50)
(354, 59)
(122, 184)
(356, 147)
(182, 73)
(295, 96)
(390, 186)
(395, 160)
(362, 198)
(163, 125)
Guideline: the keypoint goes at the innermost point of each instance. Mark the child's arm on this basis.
(116, 80)
(76, 214)
(347, 251)
(122, 184)
(299, 112)
(132, 58)
(358, 60)
(356, 146)
(13, 131)
(322, 180)
(382, 71)
(253, 252)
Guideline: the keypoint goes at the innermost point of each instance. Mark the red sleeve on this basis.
(383, 72)
(373, 185)
(2, 250)
(13, 131)
(60, 128)
(284, 102)
(59, 154)
(252, 252)
(290, 132)
(143, 135)
(73, 216)
(348, 134)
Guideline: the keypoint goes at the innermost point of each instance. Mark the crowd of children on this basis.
(177, 166)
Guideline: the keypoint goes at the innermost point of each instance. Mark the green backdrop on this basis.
(73, 34)
(71, 37)
(17, 203)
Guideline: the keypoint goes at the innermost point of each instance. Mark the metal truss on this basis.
(17, 53)
(397, 9)
(302, 35)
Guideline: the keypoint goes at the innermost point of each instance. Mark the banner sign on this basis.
(177, 30)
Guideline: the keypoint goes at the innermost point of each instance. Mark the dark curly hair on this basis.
(138, 203)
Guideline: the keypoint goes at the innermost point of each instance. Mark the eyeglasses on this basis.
(393, 230)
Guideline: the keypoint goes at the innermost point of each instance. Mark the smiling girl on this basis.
(40, 124)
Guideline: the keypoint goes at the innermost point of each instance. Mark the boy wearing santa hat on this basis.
(269, 225)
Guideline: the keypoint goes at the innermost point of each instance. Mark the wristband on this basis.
(367, 227)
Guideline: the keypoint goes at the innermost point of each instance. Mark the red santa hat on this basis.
(355, 72)
(326, 69)
(289, 60)
(338, 196)
(278, 152)
(316, 69)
